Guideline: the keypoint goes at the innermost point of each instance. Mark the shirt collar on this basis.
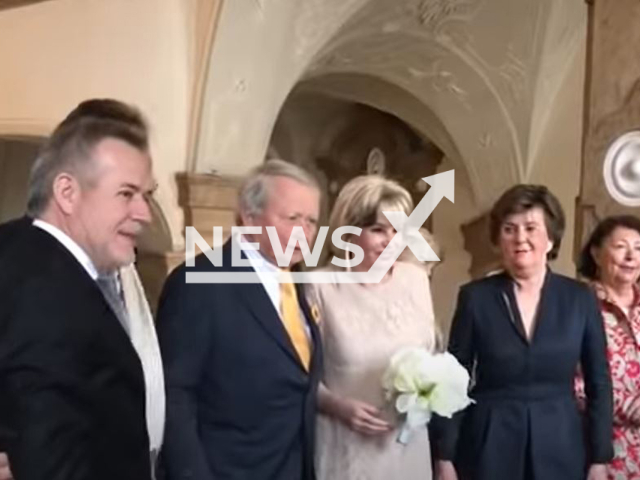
(70, 245)
(606, 299)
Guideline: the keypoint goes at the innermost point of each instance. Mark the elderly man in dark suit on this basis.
(72, 402)
(242, 361)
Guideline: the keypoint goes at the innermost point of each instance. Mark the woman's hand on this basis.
(362, 417)
(445, 470)
(5, 471)
(597, 471)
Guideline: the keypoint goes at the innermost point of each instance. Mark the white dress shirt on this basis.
(268, 274)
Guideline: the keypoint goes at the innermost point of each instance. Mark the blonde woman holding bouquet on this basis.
(362, 326)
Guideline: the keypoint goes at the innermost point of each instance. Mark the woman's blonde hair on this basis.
(362, 199)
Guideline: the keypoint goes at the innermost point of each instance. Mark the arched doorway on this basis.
(340, 139)
(17, 155)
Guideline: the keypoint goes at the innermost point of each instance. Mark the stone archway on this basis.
(340, 138)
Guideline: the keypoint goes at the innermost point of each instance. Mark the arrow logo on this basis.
(408, 235)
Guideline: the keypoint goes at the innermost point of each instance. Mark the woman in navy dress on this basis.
(523, 333)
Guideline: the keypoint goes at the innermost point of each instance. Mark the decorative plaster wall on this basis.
(487, 70)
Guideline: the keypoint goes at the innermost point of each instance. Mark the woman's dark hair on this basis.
(524, 197)
(587, 266)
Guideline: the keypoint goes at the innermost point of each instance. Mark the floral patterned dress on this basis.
(623, 349)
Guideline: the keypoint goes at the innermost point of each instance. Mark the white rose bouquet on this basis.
(419, 383)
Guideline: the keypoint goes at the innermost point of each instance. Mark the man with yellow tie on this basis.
(242, 360)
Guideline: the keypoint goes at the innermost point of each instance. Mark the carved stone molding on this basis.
(208, 201)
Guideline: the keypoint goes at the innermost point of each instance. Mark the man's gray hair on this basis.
(254, 191)
(69, 148)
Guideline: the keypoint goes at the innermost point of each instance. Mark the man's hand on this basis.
(5, 471)
(597, 471)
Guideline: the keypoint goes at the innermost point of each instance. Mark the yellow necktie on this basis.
(290, 310)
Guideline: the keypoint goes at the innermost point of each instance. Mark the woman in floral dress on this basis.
(611, 261)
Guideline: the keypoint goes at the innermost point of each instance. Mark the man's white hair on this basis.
(254, 191)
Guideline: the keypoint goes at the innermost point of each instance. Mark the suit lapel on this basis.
(506, 299)
(545, 313)
(97, 308)
(256, 299)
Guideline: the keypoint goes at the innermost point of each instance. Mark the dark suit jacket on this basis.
(72, 401)
(525, 423)
(240, 405)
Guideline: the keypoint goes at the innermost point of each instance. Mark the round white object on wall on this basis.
(376, 162)
(622, 169)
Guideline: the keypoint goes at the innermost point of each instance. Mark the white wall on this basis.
(56, 54)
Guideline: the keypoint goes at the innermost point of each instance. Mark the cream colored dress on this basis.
(362, 327)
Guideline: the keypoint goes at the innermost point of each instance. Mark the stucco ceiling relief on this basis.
(513, 74)
(486, 141)
(317, 22)
(432, 14)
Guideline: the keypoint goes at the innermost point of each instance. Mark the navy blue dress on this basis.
(525, 424)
